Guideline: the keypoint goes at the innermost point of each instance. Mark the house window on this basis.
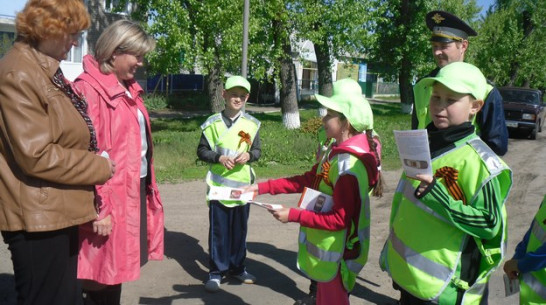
(76, 53)
(117, 6)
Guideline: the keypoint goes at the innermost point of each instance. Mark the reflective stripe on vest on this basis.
(219, 180)
(538, 232)
(323, 255)
(417, 260)
(533, 284)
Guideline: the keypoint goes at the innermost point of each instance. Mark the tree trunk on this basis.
(404, 83)
(404, 76)
(289, 101)
(215, 88)
(324, 65)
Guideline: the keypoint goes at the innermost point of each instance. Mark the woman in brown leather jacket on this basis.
(48, 154)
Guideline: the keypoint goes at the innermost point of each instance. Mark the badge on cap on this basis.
(438, 18)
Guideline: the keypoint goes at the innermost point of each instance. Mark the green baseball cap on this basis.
(347, 99)
(237, 81)
(460, 77)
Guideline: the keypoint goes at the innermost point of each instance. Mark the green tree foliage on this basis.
(336, 29)
(400, 40)
(191, 34)
(511, 43)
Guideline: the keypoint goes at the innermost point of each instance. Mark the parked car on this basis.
(524, 109)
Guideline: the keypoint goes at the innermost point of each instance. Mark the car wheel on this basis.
(533, 134)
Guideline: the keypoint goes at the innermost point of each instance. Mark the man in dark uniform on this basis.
(449, 44)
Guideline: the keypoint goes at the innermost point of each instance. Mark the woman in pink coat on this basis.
(129, 228)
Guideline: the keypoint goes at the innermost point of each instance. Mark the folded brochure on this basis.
(316, 201)
(268, 206)
(229, 193)
(414, 151)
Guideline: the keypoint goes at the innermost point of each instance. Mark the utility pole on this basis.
(245, 39)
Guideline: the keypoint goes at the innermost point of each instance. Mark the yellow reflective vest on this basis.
(230, 142)
(320, 253)
(422, 253)
(533, 284)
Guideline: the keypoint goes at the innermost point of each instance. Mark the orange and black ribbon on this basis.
(325, 169)
(450, 176)
(245, 137)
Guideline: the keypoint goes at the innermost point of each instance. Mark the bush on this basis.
(155, 101)
(189, 100)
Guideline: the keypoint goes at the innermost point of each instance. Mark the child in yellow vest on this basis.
(447, 230)
(333, 244)
(230, 141)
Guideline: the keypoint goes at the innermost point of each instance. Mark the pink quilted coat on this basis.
(115, 258)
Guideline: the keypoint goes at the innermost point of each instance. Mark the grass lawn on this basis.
(284, 152)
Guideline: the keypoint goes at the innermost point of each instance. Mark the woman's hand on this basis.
(103, 227)
(227, 162)
(511, 268)
(112, 166)
(242, 158)
(281, 214)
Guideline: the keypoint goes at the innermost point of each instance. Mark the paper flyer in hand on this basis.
(510, 286)
(314, 200)
(414, 151)
(229, 193)
(268, 206)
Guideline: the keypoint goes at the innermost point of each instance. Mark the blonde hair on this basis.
(44, 19)
(121, 37)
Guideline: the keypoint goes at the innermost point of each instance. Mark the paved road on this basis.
(272, 246)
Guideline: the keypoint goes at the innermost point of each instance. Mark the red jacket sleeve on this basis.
(346, 207)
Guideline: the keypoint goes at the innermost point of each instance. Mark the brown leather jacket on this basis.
(46, 172)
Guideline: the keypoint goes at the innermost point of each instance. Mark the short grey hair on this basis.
(121, 37)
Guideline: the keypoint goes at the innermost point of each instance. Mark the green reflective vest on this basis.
(320, 252)
(230, 142)
(533, 284)
(421, 95)
(423, 250)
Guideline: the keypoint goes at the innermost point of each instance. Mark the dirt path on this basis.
(272, 246)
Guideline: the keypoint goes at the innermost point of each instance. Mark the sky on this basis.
(9, 7)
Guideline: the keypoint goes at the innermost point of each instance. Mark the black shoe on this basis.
(308, 300)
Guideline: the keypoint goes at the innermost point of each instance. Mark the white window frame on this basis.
(83, 46)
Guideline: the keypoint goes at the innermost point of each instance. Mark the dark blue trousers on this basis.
(227, 238)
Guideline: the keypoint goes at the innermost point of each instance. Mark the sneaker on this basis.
(308, 300)
(246, 278)
(213, 284)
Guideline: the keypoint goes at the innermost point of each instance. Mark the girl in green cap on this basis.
(333, 245)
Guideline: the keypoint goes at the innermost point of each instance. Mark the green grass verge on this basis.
(284, 152)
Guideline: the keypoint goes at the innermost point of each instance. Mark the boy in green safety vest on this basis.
(333, 245)
(529, 261)
(448, 230)
(230, 141)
